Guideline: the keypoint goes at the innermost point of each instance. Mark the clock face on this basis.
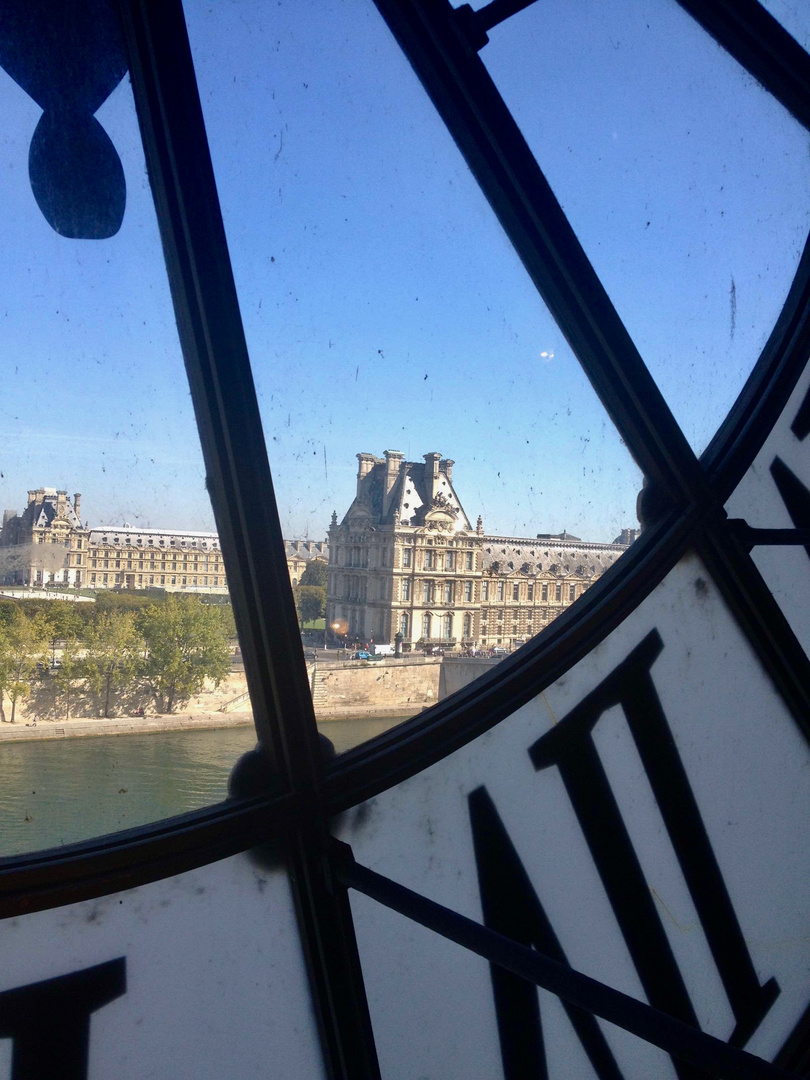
(590, 860)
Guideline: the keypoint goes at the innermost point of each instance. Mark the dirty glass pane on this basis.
(414, 390)
(199, 975)
(643, 819)
(98, 588)
(685, 182)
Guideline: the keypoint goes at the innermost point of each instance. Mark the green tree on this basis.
(310, 602)
(186, 644)
(64, 628)
(315, 573)
(23, 646)
(113, 654)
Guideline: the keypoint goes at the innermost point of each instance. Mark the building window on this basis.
(468, 560)
(558, 593)
(485, 590)
(516, 591)
(406, 589)
(448, 592)
(406, 557)
(467, 626)
(448, 627)
(92, 579)
(174, 581)
(544, 595)
(403, 624)
(530, 592)
(426, 591)
(428, 560)
(468, 591)
(426, 626)
(572, 592)
(500, 590)
(451, 560)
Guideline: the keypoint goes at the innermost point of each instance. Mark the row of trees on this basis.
(170, 647)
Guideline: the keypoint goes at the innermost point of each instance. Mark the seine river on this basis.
(56, 792)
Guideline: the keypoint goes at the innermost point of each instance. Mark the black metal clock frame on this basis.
(683, 510)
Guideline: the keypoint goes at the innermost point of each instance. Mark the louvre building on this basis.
(406, 560)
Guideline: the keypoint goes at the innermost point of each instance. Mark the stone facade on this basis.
(48, 545)
(124, 557)
(406, 559)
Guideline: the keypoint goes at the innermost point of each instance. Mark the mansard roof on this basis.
(127, 536)
(306, 549)
(559, 555)
(416, 497)
(41, 515)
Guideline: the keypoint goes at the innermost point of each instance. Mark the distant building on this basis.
(48, 545)
(300, 553)
(124, 557)
(405, 559)
(42, 544)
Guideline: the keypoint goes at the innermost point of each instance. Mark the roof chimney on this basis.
(77, 503)
(432, 475)
(365, 463)
(393, 463)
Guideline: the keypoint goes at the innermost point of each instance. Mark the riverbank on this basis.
(82, 727)
(390, 689)
(79, 727)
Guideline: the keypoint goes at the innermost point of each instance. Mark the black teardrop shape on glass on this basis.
(69, 56)
(76, 176)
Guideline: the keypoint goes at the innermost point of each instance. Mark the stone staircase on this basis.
(317, 684)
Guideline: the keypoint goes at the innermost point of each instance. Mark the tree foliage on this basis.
(310, 602)
(186, 644)
(113, 653)
(315, 573)
(23, 646)
(66, 628)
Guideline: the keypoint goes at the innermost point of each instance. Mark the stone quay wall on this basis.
(341, 689)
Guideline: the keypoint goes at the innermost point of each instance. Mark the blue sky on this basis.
(382, 305)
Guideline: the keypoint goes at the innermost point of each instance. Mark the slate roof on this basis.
(409, 500)
(559, 556)
(126, 536)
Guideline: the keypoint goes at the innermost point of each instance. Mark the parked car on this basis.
(363, 655)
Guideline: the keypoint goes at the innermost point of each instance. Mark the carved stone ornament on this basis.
(441, 503)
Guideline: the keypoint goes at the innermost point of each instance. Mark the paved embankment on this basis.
(122, 725)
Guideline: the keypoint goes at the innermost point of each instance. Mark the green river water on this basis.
(58, 791)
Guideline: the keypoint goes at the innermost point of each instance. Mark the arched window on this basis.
(426, 620)
(467, 633)
(404, 624)
(448, 626)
